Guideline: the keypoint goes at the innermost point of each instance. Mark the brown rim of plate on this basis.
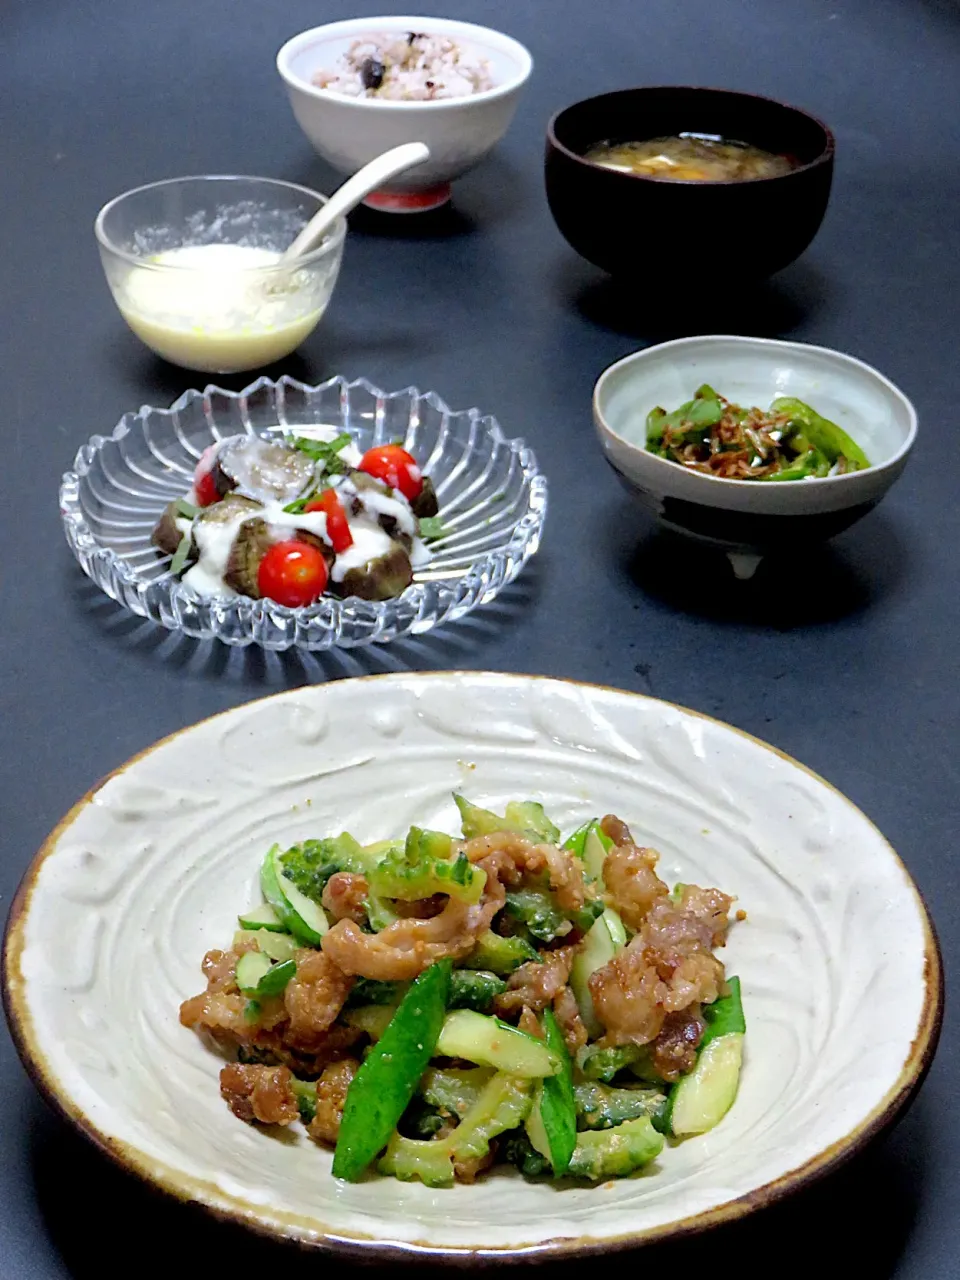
(304, 1232)
(827, 154)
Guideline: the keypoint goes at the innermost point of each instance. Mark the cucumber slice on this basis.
(597, 949)
(703, 1098)
(278, 946)
(618, 932)
(371, 1018)
(301, 916)
(251, 967)
(262, 918)
(595, 851)
(492, 1043)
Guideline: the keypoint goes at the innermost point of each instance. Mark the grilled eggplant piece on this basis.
(262, 469)
(228, 509)
(380, 579)
(166, 536)
(425, 503)
(251, 544)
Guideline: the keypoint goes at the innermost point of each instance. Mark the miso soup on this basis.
(691, 157)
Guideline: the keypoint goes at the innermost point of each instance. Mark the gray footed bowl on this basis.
(750, 518)
(493, 500)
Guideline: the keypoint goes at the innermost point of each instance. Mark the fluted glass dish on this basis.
(492, 496)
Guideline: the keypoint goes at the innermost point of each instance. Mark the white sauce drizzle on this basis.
(369, 543)
(419, 555)
(214, 539)
(381, 505)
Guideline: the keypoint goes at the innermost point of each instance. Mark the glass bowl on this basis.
(493, 500)
(216, 315)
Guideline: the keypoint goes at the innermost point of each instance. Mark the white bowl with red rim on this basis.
(347, 132)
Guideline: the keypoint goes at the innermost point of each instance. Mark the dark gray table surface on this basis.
(845, 658)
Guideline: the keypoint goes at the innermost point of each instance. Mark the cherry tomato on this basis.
(338, 531)
(293, 573)
(203, 483)
(395, 467)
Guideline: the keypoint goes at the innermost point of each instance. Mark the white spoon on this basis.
(347, 197)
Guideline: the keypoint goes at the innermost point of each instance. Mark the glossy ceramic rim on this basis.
(330, 243)
(368, 1249)
(679, 344)
(826, 155)
(469, 29)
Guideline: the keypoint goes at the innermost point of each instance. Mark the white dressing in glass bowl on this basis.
(214, 311)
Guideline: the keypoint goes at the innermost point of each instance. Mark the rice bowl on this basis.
(350, 129)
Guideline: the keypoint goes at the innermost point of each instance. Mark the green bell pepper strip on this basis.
(694, 419)
(558, 1109)
(810, 463)
(387, 1080)
(821, 433)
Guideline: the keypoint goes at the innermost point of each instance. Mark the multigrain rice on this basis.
(409, 67)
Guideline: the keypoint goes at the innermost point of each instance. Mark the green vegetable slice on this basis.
(487, 1041)
(498, 954)
(276, 978)
(388, 1077)
(591, 843)
(502, 1105)
(693, 419)
(823, 434)
(616, 1152)
(252, 967)
(326, 452)
(606, 937)
(370, 991)
(526, 817)
(520, 1151)
(278, 946)
(263, 917)
(536, 909)
(603, 1064)
(305, 1092)
(425, 866)
(725, 1016)
(601, 1106)
(300, 915)
(454, 1089)
(182, 554)
(474, 989)
(700, 1100)
(431, 528)
(554, 1102)
(371, 1018)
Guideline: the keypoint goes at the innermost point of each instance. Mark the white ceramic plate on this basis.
(840, 968)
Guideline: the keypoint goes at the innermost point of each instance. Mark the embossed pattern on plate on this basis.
(839, 965)
(493, 502)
